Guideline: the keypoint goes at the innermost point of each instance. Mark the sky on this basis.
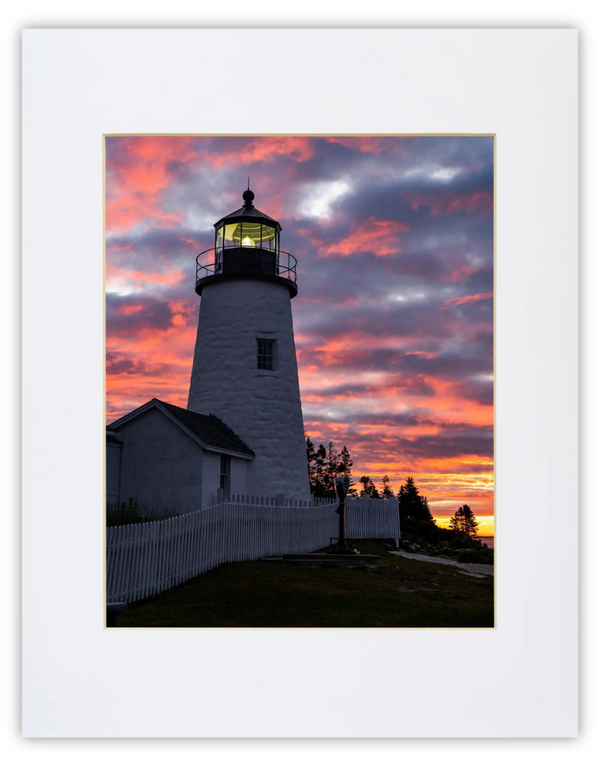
(394, 317)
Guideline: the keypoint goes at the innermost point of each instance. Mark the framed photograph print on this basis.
(377, 332)
(300, 366)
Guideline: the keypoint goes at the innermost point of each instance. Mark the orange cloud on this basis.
(462, 274)
(445, 204)
(125, 212)
(118, 277)
(161, 365)
(148, 160)
(377, 236)
(370, 144)
(267, 149)
(138, 175)
(465, 299)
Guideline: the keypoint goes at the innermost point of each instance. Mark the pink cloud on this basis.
(370, 144)
(377, 236)
(465, 299)
(445, 204)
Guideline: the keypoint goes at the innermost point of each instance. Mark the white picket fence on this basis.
(250, 499)
(372, 519)
(144, 559)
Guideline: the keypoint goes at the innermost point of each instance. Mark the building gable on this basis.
(210, 432)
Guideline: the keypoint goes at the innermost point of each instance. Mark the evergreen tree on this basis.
(320, 477)
(368, 488)
(413, 506)
(464, 521)
(345, 468)
(364, 481)
(316, 467)
(471, 522)
(426, 511)
(455, 521)
(311, 456)
(332, 461)
(386, 489)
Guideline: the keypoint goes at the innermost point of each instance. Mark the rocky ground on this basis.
(475, 569)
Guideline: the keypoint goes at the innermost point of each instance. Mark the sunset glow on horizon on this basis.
(394, 316)
(486, 524)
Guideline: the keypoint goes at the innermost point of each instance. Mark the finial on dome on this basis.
(248, 196)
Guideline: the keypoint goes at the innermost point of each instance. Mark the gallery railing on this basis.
(233, 259)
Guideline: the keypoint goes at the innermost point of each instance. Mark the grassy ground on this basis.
(396, 593)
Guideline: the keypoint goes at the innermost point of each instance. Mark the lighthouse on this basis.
(245, 369)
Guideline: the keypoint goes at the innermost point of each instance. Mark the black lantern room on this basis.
(246, 246)
(248, 228)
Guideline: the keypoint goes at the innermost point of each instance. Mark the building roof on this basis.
(113, 438)
(210, 431)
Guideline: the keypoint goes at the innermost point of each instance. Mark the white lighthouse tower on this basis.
(245, 369)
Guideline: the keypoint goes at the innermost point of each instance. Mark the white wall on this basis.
(262, 407)
(211, 467)
(239, 476)
(161, 466)
(211, 476)
(113, 471)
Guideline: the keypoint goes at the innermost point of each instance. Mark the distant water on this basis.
(489, 541)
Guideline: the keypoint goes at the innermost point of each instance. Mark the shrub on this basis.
(125, 513)
(477, 554)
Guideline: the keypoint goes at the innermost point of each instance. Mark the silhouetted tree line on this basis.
(325, 463)
(416, 517)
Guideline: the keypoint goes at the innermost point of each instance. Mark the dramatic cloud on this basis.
(378, 236)
(394, 316)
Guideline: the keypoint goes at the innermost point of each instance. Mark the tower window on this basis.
(265, 354)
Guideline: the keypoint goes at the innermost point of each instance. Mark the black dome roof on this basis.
(248, 213)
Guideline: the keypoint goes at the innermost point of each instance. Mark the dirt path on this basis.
(474, 569)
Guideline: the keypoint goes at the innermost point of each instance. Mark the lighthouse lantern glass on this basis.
(246, 234)
(232, 234)
(268, 237)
